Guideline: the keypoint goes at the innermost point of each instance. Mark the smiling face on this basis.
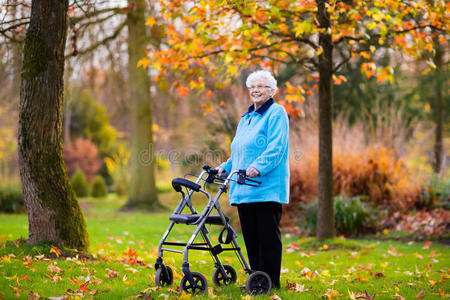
(260, 92)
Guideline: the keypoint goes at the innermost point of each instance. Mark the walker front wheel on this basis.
(199, 286)
(258, 283)
(164, 276)
(219, 278)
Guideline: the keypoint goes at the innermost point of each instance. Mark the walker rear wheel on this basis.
(219, 278)
(164, 278)
(199, 286)
(258, 283)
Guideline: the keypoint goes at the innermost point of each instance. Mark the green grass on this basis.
(384, 268)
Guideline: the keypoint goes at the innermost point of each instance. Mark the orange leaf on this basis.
(77, 282)
(56, 251)
(83, 288)
(143, 63)
(182, 91)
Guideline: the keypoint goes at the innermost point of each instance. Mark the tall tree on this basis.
(325, 217)
(438, 106)
(142, 186)
(301, 33)
(53, 211)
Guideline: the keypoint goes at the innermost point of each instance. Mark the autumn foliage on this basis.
(216, 39)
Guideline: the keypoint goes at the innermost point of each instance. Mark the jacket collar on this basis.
(263, 107)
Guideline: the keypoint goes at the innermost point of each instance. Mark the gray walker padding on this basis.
(193, 282)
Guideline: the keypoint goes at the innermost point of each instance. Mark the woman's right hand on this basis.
(221, 172)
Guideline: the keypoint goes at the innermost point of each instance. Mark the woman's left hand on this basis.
(251, 172)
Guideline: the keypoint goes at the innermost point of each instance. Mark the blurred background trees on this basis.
(390, 105)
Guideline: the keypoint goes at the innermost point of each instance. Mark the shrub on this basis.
(376, 173)
(120, 187)
(80, 184)
(118, 168)
(99, 188)
(89, 119)
(82, 155)
(435, 193)
(352, 216)
(11, 198)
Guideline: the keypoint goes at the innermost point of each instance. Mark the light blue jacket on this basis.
(262, 142)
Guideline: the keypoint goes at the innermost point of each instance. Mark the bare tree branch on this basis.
(102, 42)
(14, 20)
(116, 10)
(212, 53)
(13, 26)
(376, 36)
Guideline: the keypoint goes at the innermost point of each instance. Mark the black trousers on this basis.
(260, 223)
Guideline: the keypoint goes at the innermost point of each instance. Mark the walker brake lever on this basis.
(211, 175)
(255, 181)
(243, 177)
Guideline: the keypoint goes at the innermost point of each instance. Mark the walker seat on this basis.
(189, 219)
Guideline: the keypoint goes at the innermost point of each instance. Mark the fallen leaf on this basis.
(293, 286)
(132, 270)
(144, 296)
(420, 294)
(32, 295)
(54, 269)
(331, 293)
(111, 273)
(427, 245)
(185, 295)
(55, 250)
(211, 293)
(16, 290)
(63, 297)
(324, 247)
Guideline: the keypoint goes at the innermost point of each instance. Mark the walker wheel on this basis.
(199, 287)
(219, 278)
(258, 283)
(164, 278)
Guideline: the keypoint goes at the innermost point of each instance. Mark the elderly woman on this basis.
(261, 146)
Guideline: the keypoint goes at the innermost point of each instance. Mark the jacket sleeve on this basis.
(277, 144)
(226, 165)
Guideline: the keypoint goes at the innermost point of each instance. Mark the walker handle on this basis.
(242, 177)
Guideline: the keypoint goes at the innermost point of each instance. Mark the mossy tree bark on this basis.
(54, 213)
(143, 193)
(325, 218)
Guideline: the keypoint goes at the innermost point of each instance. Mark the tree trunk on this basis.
(325, 218)
(54, 213)
(67, 115)
(142, 185)
(438, 110)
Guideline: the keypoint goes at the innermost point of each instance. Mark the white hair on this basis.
(262, 74)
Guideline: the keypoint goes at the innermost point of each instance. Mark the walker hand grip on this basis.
(177, 183)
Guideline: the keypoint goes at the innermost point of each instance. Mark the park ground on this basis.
(123, 250)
